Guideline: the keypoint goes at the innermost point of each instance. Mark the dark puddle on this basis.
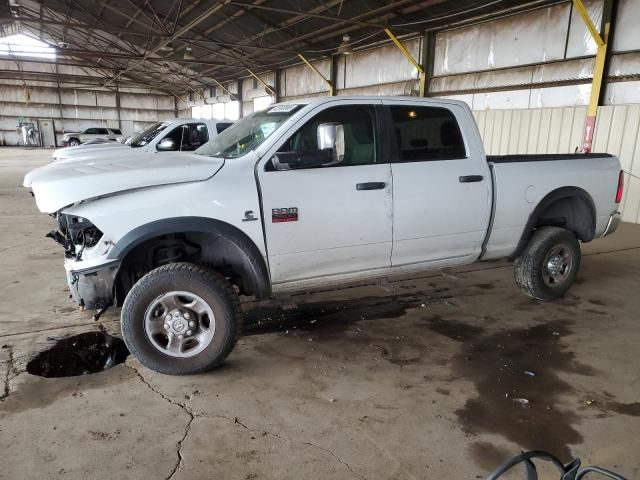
(515, 373)
(607, 404)
(488, 456)
(90, 352)
(630, 409)
(329, 317)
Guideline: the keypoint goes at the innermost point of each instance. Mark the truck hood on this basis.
(87, 152)
(60, 184)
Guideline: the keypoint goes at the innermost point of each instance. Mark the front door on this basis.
(333, 220)
(441, 185)
(88, 134)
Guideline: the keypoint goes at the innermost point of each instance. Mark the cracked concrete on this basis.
(377, 390)
(193, 415)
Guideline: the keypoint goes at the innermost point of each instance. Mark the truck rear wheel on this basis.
(74, 142)
(549, 264)
(181, 319)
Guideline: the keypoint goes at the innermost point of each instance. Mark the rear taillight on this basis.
(620, 187)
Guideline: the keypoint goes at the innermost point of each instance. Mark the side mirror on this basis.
(331, 137)
(166, 145)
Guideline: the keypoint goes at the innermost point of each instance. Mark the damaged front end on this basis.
(75, 234)
(90, 280)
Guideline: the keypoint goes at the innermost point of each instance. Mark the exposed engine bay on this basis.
(74, 234)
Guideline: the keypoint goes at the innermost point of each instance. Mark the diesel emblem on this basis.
(279, 215)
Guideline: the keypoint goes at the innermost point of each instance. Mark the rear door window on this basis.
(426, 134)
(102, 131)
(116, 131)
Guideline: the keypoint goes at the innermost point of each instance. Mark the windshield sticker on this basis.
(282, 108)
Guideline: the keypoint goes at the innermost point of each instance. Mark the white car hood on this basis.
(84, 151)
(60, 184)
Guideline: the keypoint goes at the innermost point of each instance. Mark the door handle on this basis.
(471, 178)
(370, 186)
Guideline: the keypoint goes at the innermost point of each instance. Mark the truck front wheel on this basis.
(549, 264)
(181, 319)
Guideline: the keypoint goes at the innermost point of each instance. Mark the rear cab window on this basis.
(222, 126)
(426, 133)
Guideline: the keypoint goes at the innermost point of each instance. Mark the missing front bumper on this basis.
(93, 288)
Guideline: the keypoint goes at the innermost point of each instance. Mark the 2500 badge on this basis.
(279, 215)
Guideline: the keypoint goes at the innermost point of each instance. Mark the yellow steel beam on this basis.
(598, 74)
(587, 21)
(324, 79)
(223, 87)
(266, 86)
(422, 76)
(602, 40)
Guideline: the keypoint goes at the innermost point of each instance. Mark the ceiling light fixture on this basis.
(345, 47)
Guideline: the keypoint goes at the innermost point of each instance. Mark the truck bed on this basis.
(520, 182)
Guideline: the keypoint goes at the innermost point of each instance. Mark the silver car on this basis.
(76, 138)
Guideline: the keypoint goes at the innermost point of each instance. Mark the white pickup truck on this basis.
(177, 135)
(306, 194)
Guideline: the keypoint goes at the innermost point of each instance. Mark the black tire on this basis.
(216, 292)
(531, 272)
(73, 142)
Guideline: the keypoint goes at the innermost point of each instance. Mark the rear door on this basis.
(441, 184)
(333, 220)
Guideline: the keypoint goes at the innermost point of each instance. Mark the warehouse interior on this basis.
(394, 378)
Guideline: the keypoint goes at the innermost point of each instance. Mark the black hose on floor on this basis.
(571, 471)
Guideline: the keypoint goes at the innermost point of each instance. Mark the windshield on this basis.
(142, 138)
(248, 133)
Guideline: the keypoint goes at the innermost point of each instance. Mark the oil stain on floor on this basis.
(515, 372)
(337, 315)
(89, 352)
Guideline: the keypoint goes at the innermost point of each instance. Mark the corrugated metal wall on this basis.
(560, 130)
(73, 107)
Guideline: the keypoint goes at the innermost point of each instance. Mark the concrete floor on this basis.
(406, 378)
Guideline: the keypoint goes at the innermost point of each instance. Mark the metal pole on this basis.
(602, 39)
(422, 77)
(118, 107)
(428, 56)
(239, 97)
(55, 137)
(266, 86)
(324, 79)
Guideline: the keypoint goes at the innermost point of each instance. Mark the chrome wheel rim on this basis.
(557, 266)
(179, 324)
